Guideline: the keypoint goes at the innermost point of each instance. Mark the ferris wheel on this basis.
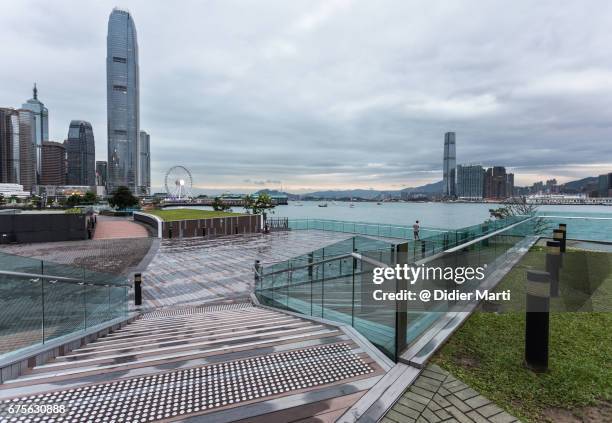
(178, 182)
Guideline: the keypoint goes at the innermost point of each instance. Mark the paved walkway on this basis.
(118, 227)
(115, 256)
(199, 270)
(437, 396)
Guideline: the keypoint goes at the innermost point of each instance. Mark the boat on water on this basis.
(298, 204)
(323, 205)
(379, 203)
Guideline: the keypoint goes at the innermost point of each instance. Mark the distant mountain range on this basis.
(432, 189)
(365, 194)
(580, 185)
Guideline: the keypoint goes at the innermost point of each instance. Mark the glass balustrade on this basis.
(336, 282)
(41, 301)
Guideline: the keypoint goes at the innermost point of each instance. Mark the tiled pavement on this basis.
(113, 256)
(198, 270)
(118, 227)
(437, 396)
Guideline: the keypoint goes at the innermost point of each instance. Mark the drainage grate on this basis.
(197, 390)
(193, 310)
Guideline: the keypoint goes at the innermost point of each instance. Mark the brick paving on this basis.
(118, 227)
(113, 256)
(437, 396)
(199, 270)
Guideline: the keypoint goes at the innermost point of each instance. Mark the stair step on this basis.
(195, 391)
(102, 344)
(201, 346)
(56, 375)
(130, 348)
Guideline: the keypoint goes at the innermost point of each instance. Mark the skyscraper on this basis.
(470, 182)
(28, 149)
(448, 165)
(498, 183)
(81, 153)
(41, 128)
(53, 163)
(9, 146)
(101, 172)
(145, 164)
(122, 98)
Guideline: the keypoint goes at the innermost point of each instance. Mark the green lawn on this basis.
(186, 214)
(487, 352)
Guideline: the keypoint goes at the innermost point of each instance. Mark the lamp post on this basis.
(537, 320)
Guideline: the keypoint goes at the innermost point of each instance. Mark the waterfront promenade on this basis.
(199, 326)
(199, 270)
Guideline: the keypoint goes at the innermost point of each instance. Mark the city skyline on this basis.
(258, 93)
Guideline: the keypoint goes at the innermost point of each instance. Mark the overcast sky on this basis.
(332, 94)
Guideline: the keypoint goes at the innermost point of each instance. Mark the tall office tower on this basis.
(470, 182)
(496, 183)
(81, 153)
(509, 185)
(28, 149)
(9, 146)
(53, 163)
(41, 129)
(604, 185)
(18, 147)
(101, 172)
(448, 165)
(122, 101)
(145, 164)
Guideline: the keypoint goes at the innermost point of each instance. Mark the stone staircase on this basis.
(230, 363)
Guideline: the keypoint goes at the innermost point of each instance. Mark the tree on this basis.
(219, 205)
(122, 198)
(2, 200)
(90, 197)
(73, 200)
(36, 201)
(520, 207)
(260, 204)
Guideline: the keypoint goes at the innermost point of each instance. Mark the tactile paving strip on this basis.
(193, 310)
(197, 390)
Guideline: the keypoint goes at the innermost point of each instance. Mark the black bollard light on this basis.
(559, 235)
(137, 289)
(553, 265)
(537, 320)
(563, 227)
(423, 249)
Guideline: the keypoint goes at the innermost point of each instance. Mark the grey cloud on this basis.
(336, 93)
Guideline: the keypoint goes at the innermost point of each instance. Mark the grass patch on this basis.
(487, 352)
(188, 214)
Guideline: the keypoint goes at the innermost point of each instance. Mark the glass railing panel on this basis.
(64, 308)
(12, 263)
(96, 304)
(337, 289)
(21, 312)
(373, 319)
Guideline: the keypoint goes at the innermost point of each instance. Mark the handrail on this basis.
(36, 276)
(390, 225)
(314, 263)
(473, 241)
(369, 260)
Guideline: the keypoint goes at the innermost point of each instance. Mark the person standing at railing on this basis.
(415, 230)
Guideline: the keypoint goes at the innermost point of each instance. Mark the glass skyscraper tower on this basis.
(448, 165)
(123, 103)
(81, 154)
(41, 129)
